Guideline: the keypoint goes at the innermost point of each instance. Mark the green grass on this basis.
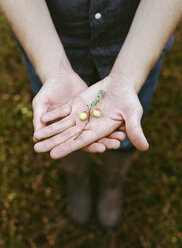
(32, 187)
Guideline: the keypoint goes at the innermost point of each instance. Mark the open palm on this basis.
(118, 104)
(57, 91)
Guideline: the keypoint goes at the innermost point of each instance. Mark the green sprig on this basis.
(100, 95)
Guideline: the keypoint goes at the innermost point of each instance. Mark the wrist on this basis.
(120, 79)
(67, 82)
(53, 68)
(133, 63)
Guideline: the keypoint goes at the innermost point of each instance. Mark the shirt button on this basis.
(98, 16)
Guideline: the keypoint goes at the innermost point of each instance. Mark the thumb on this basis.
(135, 132)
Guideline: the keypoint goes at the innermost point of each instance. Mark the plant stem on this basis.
(89, 113)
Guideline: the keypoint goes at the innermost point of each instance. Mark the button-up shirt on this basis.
(92, 31)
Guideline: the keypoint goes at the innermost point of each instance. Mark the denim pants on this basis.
(145, 94)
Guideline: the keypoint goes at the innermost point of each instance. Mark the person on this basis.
(75, 49)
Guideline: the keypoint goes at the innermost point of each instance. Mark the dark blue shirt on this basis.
(92, 31)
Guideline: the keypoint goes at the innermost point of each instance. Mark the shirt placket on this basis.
(96, 21)
(96, 17)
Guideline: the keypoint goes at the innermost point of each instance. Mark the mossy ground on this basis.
(32, 187)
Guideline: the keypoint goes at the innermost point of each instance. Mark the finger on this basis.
(117, 135)
(95, 148)
(55, 106)
(59, 112)
(99, 147)
(54, 128)
(71, 145)
(38, 110)
(49, 144)
(122, 127)
(135, 133)
(110, 143)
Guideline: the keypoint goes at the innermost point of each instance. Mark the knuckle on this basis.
(50, 130)
(37, 135)
(53, 142)
(53, 114)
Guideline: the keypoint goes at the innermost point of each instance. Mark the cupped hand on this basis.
(120, 102)
(57, 91)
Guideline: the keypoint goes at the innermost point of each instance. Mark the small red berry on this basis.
(97, 113)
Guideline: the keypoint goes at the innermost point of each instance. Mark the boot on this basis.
(114, 168)
(78, 191)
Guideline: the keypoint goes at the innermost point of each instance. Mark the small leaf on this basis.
(94, 103)
(101, 93)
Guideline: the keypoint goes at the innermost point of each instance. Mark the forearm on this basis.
(152, 26)
(32, 24)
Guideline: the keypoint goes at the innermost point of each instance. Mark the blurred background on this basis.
(32, 187)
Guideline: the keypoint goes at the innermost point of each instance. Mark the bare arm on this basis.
(154, 22)
(32, 23)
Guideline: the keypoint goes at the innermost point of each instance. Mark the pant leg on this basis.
(34, 79)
